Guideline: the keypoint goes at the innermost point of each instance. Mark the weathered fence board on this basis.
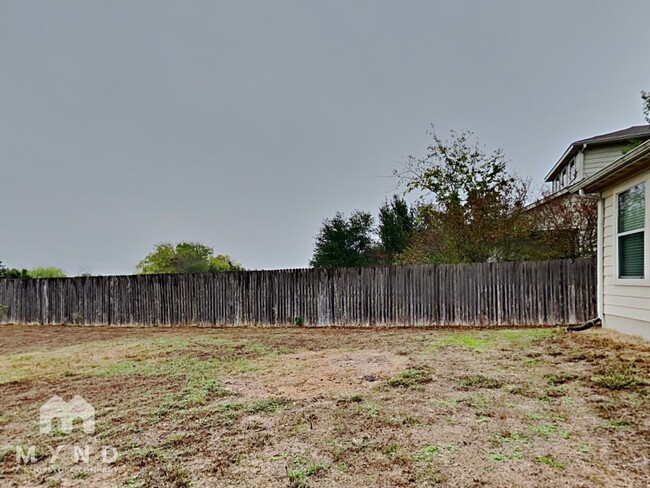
(527, 293)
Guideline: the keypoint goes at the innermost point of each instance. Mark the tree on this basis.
(185, 257)
(46, 272)
(12, 273)
(470, 206)
(645, 97)
(345, 242)
(562, 226)
(395, 229)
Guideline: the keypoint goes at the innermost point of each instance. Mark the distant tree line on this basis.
(24, 274)
(183, 257)
(469, 207)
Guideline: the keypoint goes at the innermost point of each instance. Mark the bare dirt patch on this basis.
(316, 374)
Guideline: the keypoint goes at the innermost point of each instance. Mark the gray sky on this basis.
(243, 124)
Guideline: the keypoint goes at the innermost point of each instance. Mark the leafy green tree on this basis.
(563, 226)
(345, 242)
(185, 257)
(645, 98)
(46, 272)
(396, 226)
(470, 206)
(12, 273)
(17, 274)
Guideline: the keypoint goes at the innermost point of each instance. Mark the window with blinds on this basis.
(631, 233)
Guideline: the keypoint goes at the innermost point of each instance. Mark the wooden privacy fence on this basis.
(526, 293)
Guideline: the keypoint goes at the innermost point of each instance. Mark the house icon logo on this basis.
(67, 412)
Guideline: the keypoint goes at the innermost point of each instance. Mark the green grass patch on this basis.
(616, 375)
(557, 379)
(269, 405)
(618, 425)
(177, 475)
(507, 437)
(82, 474)
(425, 454)
(410, 378)
(585, 448)
(301, 468)
(548, 430)
(135, 356)
(468, 340)
(551, 462)
(480, 341)
(198, 391)
(480, 381)
(126, 368)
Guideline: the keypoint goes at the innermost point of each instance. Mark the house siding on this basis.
(597, 158)
(625, 303)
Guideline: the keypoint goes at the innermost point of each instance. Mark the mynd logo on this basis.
(69, 415)
(67, 412)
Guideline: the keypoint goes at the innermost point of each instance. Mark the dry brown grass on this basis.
(330, 407)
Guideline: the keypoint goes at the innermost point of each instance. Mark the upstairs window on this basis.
(631, 233)
(572, 171)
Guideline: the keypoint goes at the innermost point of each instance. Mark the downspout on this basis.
(600, 289)
(599, 265)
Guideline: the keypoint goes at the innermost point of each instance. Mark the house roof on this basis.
(631, 163)
(641, 132)
(629, 133)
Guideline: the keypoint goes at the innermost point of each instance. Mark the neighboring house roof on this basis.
(546, 199)
(635, 161)
(640, 132)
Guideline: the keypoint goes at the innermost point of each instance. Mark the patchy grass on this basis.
(410, 378)
(471, 341)
(307, 407)
(269, 405)
(480, 381)
(616, 375)
(551, 462)
(425, 454)
(481, 340)
(301, 468)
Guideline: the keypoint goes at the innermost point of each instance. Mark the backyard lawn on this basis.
(295, 407)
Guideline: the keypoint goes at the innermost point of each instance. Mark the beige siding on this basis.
(626, 303)
(599, 157)
(627, 325)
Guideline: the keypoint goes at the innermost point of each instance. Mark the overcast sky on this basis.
(244, 124)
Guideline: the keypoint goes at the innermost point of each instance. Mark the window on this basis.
(631, 233)
(572, 171)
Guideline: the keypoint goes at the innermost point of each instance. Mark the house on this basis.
(623, 238)
(567, 223)
(587, 157)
